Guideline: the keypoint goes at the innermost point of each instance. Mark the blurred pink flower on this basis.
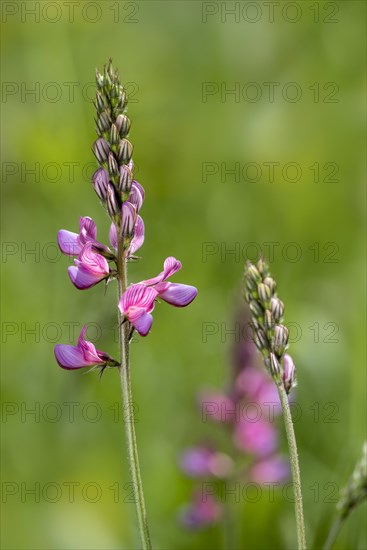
(259, 437)
(256, 385)
(204, 511)
(217, 406)
(203, 461)
(273, 469)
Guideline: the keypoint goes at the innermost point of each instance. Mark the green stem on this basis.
(128, 407)
(334, 532)
(293, 454)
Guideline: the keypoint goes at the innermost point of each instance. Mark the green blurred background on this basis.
(168, 52)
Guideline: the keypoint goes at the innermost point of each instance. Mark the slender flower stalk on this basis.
(122, 197)
(125, 381)
(271, 339)
(352, 496)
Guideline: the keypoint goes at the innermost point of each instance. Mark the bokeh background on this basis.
(171, 54)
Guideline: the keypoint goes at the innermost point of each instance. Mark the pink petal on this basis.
(137, 296)
(271, 470)
(88, 228)
(83, 278)
(92, 261)
(138, 239)
(69, 243)
(88, 349)
(170, 267)
(128, 218)
(139, 188)
(70, 357)
(113, 236)
(135, 196)
(176, 294)
(143, 323)
(258, 437)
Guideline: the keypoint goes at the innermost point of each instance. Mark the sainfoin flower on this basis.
(84, 354)
(176, 294)
(137, 302)
(204, 511)
(90, 268)
(136, 305)
(204, 461)
(72, 244)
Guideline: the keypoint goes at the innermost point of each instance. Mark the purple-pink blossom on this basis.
(176, 294)
(204, 461)
(72, 244)
(84, 354)
(136, 305)
(137, 240)
(272, 469)
(258, 437)
(132, 223)
(137, 302)
(255, 385)
(217, 406)
(203, 511)
(90, 268)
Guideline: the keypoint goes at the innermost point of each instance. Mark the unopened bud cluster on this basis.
(356, 490)
(270, 335)
(113, 151)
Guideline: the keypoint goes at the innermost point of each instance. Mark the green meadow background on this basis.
(199, 80)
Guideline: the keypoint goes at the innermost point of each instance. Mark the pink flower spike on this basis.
(90, 268)
(136, 305)
(83, 355)
(71, 243)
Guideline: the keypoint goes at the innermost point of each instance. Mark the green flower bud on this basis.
(256, 308)
(113, 167)
(114, 135)
(277, 309)
(269, 281)
(268, 321)
(123, 125)
(99, 80)
(275, 368)
(280, 340)
(264, 294)
(125, 151)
